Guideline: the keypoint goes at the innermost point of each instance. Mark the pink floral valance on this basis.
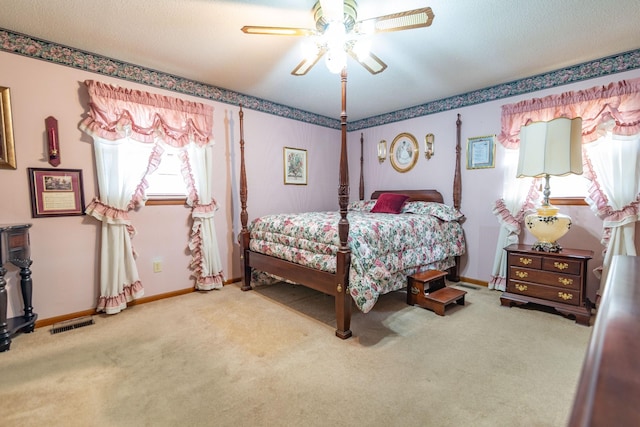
(115, 113)
(618, 101)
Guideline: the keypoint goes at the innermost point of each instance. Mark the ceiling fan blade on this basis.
(372, 63)
(278, 31)
(406, 20)
(306, 64)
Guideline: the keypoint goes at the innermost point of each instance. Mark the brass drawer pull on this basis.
(561, 265)
(521, 288)
(565, 296)
(522, 274)
(565, 282)
(525, 261)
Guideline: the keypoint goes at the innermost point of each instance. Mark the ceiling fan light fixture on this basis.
(325, 11)
(338, 33)
(336, 60)
(335, 36)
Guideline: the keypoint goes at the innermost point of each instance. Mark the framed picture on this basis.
(7, 146)
(404, 152)
(295, 166)
(56, 192)
(481, 152)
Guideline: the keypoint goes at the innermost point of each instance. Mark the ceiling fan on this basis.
(338, 33)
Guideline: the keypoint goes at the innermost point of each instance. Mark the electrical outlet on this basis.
(157, 266)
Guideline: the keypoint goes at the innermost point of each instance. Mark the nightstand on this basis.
(556, 280)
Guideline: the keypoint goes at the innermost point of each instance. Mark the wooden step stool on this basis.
(428, 290)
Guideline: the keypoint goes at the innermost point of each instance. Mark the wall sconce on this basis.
(428, 145)
(382, 150)
(53, 145)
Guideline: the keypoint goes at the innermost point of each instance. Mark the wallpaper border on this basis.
(32, 47)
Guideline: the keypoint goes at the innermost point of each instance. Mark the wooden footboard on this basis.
(334, 284)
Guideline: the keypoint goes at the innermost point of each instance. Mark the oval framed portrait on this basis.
(404, 152)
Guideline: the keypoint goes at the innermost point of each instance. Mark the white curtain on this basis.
(198, 172)
(128, 128)
(613, 167)
(517, 198)
(120, 166)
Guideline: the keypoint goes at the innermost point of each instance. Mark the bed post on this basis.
(343, 298)
(457, 179)
(454, 272)
(243, 238)
(361, 193)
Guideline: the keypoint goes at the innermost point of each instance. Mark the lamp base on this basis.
(547, 225)
(546, 247)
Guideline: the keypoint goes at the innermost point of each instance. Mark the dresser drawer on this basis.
(565, 281)
(566, 296)
(525, 260)
(567, 266)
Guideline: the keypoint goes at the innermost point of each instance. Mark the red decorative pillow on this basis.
(389, 203)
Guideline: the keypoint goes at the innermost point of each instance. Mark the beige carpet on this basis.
(270, 358)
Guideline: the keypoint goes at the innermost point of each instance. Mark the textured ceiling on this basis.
(471, 44)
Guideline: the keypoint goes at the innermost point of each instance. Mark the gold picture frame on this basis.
(481, 152)
(295, 166)
(7, 145)
(404, 152)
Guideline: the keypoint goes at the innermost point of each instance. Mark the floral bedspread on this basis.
(385, 247)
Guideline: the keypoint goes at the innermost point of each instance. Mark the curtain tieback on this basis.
(204, 210)
(106, 213)
(628, 214)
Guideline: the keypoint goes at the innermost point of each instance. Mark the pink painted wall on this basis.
(65, 249)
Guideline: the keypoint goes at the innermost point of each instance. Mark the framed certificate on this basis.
(56, 192)
(481, 152)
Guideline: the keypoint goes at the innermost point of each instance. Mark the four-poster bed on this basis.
(346, 266)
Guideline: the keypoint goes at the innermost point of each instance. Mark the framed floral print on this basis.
(295, 166)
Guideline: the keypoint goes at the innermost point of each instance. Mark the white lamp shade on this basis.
(551, 148)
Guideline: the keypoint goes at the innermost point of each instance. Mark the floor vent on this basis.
(72, 324)
(464, 285)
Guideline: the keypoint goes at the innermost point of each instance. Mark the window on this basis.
(166, 184)
(568, 190)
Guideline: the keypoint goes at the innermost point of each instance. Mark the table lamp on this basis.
(550, 148)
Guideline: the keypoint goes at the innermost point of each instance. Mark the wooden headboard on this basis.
(414, 195)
